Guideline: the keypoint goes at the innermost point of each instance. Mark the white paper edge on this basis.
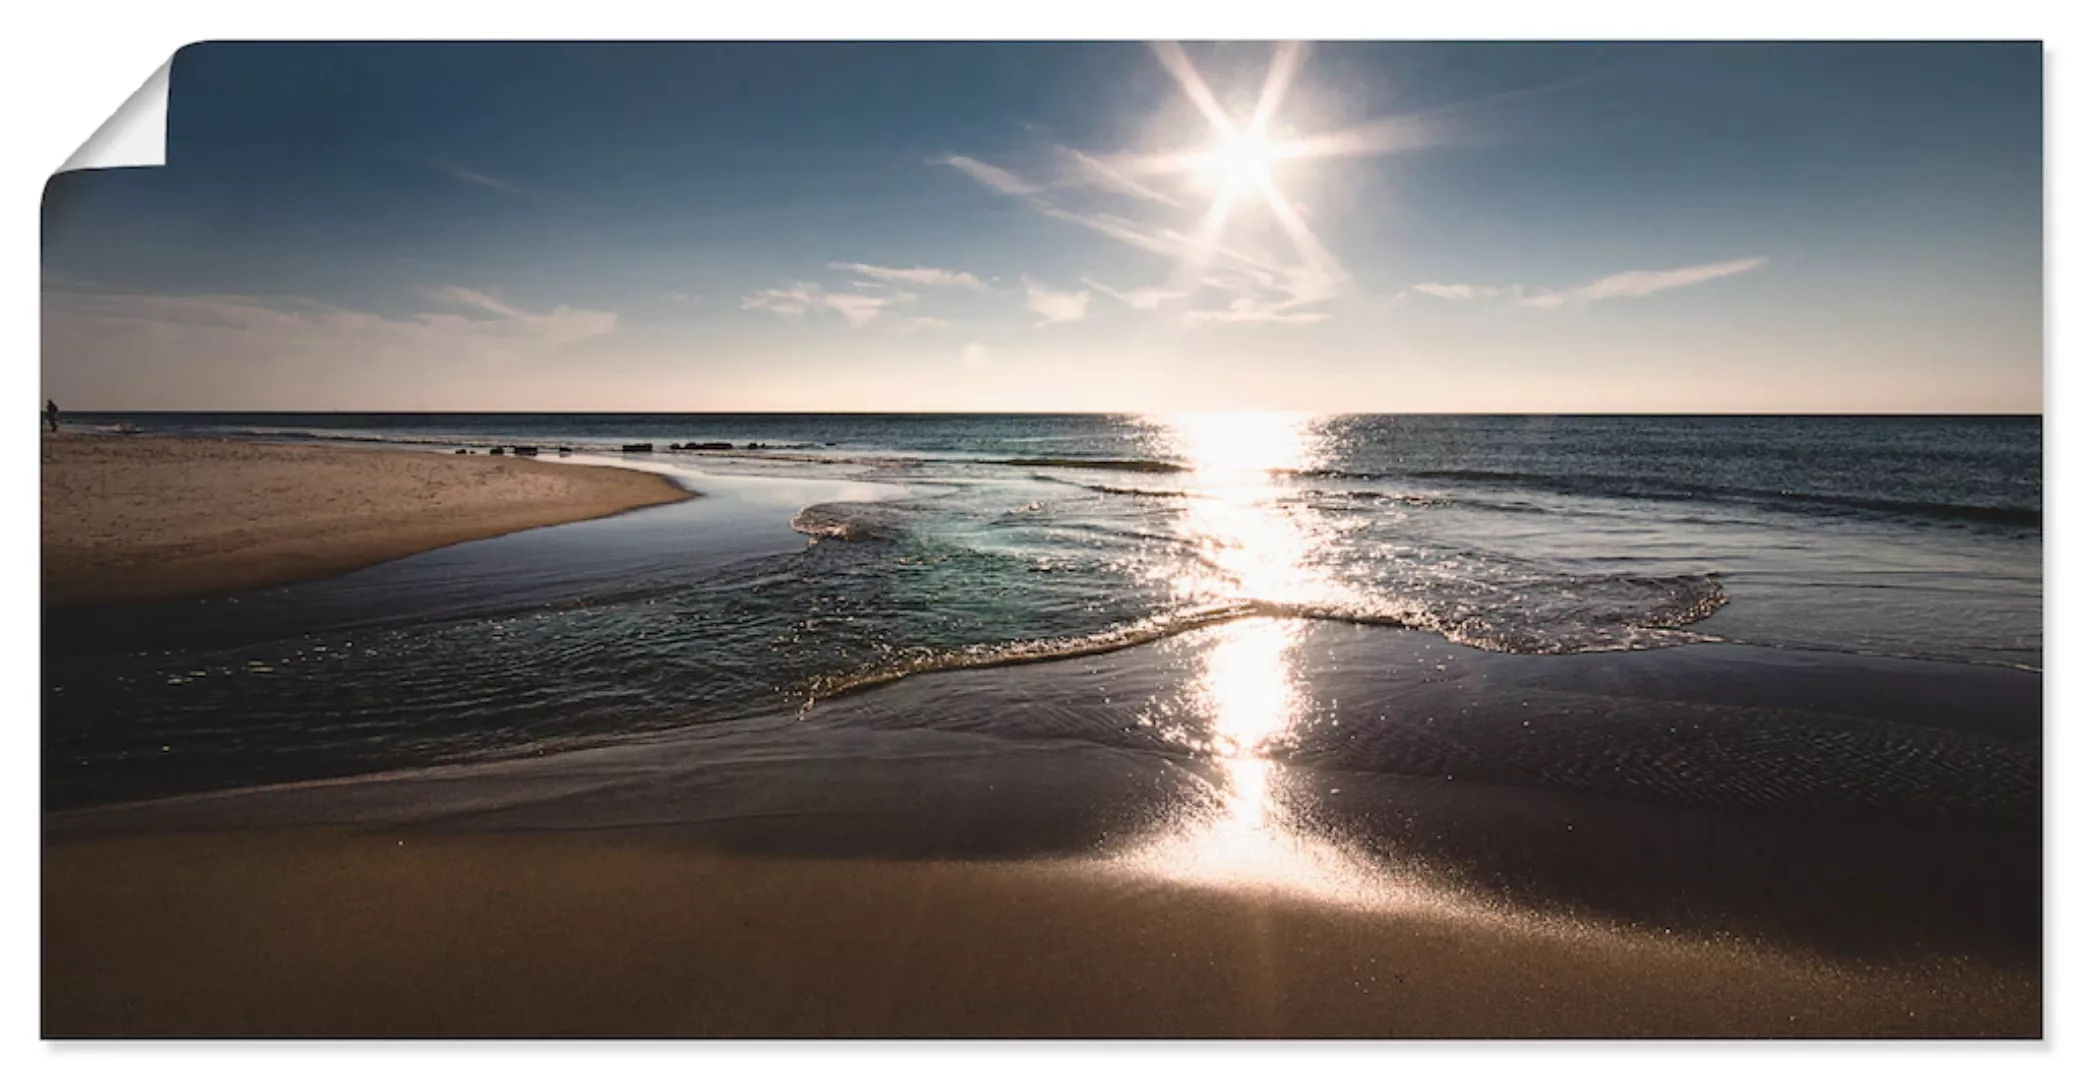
(135, 135)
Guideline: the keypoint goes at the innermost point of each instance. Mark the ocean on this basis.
(833, 555)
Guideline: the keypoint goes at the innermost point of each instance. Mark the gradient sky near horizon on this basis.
(1482, 227)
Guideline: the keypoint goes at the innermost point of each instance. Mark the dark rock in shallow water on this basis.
(497, 451)
(636, 448)
(524, 451)
(709, 446)
(462, 451)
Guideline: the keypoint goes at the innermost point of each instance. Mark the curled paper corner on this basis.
(134, 135)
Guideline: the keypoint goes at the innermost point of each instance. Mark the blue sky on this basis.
(1412, 227)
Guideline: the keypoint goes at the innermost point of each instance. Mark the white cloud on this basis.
(975, 356)
(803, 297)
(915, 275)
(991, 176)
(1054, 307)
(925, 322)
(1629, 285)
(1149, 299)
(793, 302)
(856, 309)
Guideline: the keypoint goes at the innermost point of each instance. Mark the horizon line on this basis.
(1905, 414)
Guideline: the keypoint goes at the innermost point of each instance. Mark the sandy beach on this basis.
(339, 934)
(141, 518)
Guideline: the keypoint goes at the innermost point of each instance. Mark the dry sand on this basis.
(335, 934)
(136, 518)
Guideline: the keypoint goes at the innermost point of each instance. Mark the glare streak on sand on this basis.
(1244, 836)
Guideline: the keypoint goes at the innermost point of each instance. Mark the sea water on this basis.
(842, 553)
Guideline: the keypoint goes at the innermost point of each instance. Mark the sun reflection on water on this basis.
(1251, 547)
(1247, 446)
(1243, 700)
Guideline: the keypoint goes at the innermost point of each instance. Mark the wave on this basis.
(852, 522)
(1008, 654)
(1321, 496)
(1144, 465)
(1993, 515)
(1639, 488)
(1662, 607)
(1142, 493)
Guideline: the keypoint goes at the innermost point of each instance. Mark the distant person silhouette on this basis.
(50, 413)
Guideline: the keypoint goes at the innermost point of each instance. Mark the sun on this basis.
(1237, 168)
(1242, 161)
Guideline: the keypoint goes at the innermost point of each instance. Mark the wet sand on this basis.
(344, 934)
(138, 518)
(869, 867)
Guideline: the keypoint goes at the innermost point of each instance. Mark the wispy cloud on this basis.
(799, 299)
(991, 176)
(1052, 306)
(468, 176)
(1273, 297)
(1441, 291)
(915, 275)
(1090, 171)
(1635, 284)
(1076, 169)
(860, 310)
(458, 296)
(1147, 299)
(1247, 311)
(1154, 238)
(795, 301)
(1264, 288)
(1270, 289)
(975, 356)
(262, 351)
(925, 322)
(1628, 285)
(561, 324)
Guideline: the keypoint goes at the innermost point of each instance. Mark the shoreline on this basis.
(301, 933)
(140, 518)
